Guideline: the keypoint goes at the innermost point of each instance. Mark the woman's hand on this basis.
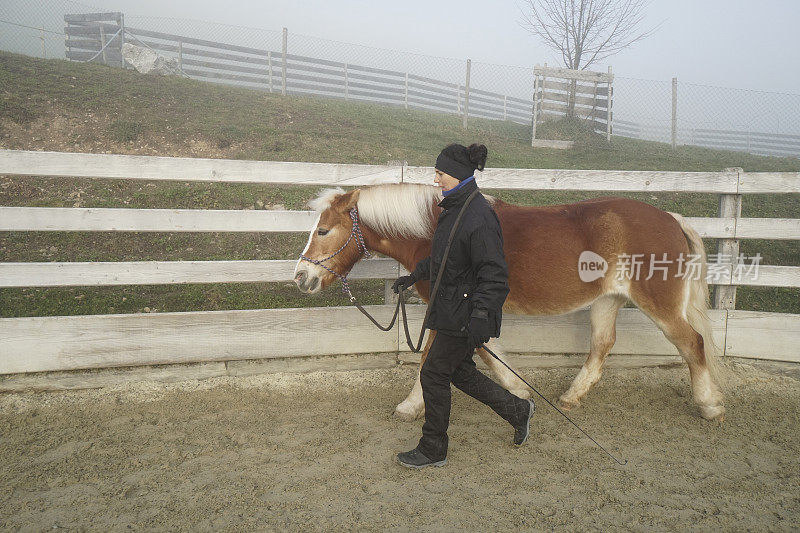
(402, 283)
(477, 331)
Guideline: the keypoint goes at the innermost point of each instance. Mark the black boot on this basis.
(416, 459)
(522, 431)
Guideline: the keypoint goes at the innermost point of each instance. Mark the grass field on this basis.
(57, 105)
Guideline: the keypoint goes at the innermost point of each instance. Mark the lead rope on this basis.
(400, 300)
(401, 305)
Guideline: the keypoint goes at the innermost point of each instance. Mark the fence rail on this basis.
(114, 166)
(60, 343)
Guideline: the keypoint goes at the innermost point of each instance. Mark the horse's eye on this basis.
(321, 231)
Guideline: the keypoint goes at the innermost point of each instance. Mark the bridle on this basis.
(362, 250)
(401, 304)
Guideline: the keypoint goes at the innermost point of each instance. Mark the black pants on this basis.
(450, 360)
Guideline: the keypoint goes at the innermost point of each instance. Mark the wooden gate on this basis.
(561, 92)
(95, 37)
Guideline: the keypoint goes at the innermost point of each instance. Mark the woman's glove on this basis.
(478, 331)
(402, 283)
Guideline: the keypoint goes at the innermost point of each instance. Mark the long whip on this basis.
(623, 462)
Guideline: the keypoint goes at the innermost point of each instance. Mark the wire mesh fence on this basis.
(494, 98)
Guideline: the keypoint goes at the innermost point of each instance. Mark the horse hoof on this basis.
(567, 404)
(713, 412)
(405, 414)
(521, 393)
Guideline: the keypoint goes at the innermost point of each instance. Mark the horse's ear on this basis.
(347, 201)
(351, 203)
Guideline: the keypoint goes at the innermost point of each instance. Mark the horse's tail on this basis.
(697, 308)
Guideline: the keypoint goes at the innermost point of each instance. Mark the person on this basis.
(467, 310)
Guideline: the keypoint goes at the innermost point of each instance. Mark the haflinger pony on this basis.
(543, 246)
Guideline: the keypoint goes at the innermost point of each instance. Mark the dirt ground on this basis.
(316, 452)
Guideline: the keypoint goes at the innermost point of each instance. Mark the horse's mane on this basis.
(393, 210)
(399, 209)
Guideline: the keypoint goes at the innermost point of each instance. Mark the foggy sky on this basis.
(733, 43)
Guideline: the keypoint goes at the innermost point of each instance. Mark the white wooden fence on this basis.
(287, 73)
(75, 342)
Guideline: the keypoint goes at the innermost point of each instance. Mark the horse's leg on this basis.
(691, 347)
(413, 406)
(603, 317)
(506, 378)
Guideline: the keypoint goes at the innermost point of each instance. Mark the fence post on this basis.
(122, 35)
(389, 297)
(346, 88)
(44, 51)
(67, 41)
(103, 42)
(269, 66)
(730, 206)
(674, 112)
(466, 93)
(609, 115)
(283, 83)
(406, 93)
(180, 56)
(535, 105)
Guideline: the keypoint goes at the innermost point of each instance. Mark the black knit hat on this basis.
(462, 162)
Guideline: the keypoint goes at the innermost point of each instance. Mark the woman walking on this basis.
(467, 310)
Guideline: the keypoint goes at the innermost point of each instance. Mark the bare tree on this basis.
(585, 31)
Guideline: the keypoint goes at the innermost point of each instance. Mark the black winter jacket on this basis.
(475, 280)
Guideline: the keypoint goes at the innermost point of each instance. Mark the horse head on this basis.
(334, 244)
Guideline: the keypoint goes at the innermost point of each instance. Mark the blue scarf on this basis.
(454, 189)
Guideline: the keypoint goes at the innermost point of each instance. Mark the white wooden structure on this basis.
(79, 342)
(560, 92)
(96, 37)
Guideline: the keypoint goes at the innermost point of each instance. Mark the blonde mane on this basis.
(324, 199)
(399, 209)
(393, 210)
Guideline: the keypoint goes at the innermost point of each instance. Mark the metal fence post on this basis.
(466, 93)
(283, 82)
(269, 66)
(67, 41)
(505, 107)
(674, 112)
(180, 55)
(730, 206)
(44, 51)
(346, 88)
(122, 35)
(610, 102)
(535, 117)
(406, 93)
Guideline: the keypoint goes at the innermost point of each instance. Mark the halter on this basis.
(362, 249)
